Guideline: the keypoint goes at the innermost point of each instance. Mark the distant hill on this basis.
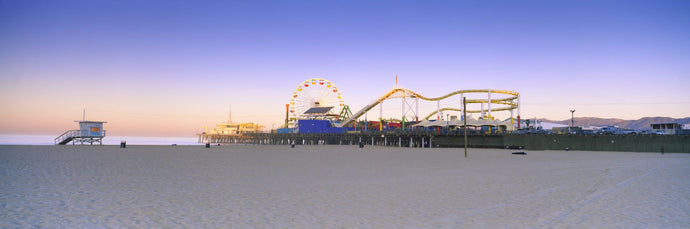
(640, 124)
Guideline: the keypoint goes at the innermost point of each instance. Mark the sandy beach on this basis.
(338, 187)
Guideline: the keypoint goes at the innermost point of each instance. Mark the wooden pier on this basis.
(420, 140)
(629, 143)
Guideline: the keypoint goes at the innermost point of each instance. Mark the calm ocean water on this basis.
(108, 140)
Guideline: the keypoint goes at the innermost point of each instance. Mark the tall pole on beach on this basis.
(464, 117)
(572, 118)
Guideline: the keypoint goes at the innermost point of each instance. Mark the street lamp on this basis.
(572, 120)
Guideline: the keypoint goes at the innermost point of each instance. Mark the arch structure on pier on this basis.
(495, 100)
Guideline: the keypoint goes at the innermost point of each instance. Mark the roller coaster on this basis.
(325, 94)
(509, 103)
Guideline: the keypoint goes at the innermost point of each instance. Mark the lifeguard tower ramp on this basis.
(89, 132)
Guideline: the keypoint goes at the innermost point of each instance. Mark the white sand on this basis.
(339, 187)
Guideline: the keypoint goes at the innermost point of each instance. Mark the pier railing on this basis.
(67, 136)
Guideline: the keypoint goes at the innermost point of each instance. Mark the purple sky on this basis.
(169, 68)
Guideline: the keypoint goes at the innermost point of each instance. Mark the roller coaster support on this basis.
(416, 113)
(366, 123)
(489, 104)
(381, 116)
(403, 110)
(518, 109)
(482, 108)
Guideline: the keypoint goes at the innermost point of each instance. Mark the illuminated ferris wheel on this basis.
(315, 93)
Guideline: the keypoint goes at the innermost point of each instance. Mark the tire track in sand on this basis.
(592, 196)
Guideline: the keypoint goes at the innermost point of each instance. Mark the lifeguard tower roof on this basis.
(80, 121)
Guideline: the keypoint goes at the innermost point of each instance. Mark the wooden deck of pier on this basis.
(422, 140)
(629, 143)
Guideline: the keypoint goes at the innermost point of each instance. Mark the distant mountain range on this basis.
(640, 124)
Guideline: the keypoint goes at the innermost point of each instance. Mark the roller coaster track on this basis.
(509, 101)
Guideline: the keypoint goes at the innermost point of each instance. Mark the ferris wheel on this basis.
(315, 93)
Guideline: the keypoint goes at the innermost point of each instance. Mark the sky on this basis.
(171, 68)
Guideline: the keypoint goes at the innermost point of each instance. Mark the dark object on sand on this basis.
(519, 153)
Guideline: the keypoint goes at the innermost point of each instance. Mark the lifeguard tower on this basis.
(88, 132)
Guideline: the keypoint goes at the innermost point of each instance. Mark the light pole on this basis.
(464, 118)
(572, 119)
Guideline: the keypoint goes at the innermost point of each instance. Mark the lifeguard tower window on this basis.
(91, 128)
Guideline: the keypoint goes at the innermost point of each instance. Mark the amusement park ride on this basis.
(317, 107)
(315, 99)
(320, 99)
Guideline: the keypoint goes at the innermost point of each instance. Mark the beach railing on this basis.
(67, 137)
